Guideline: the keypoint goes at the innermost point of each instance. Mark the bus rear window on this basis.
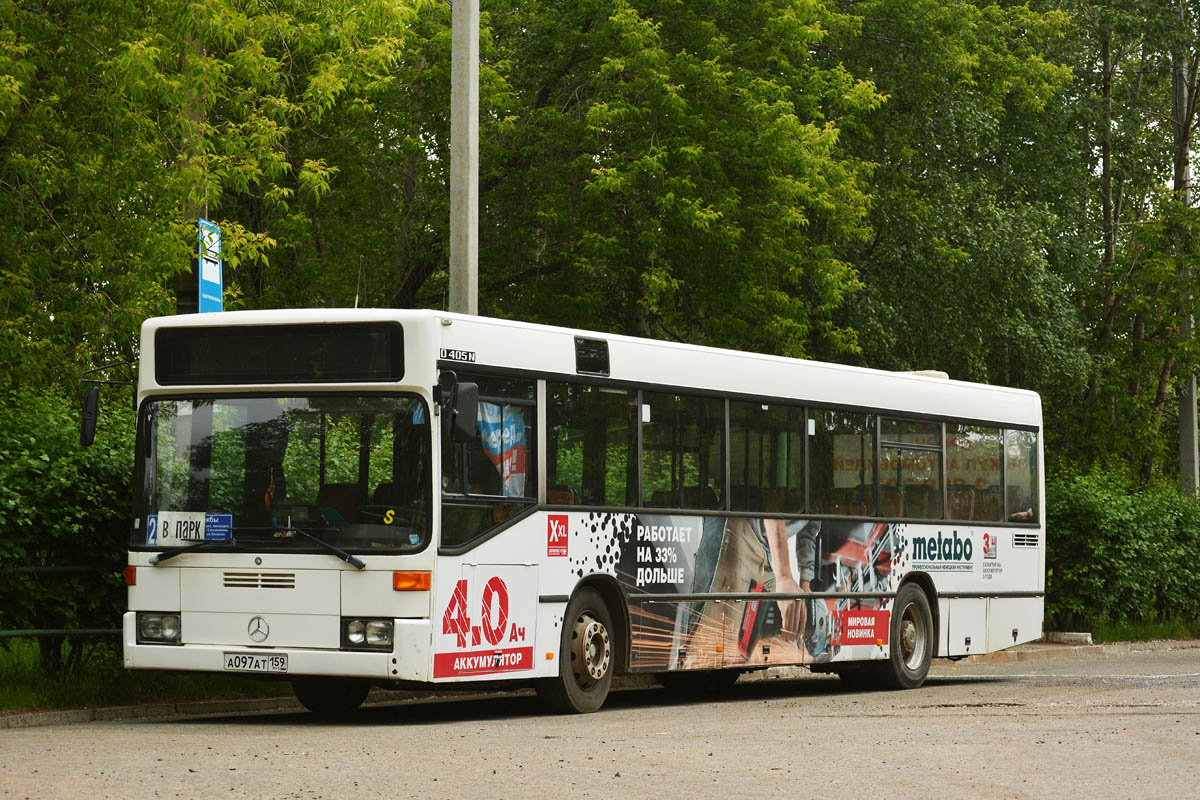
(321, 353)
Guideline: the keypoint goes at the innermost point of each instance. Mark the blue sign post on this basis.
(210, 267)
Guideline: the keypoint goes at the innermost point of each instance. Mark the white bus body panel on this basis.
(427, 644)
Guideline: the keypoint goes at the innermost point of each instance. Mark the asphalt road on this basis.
(1119, 726)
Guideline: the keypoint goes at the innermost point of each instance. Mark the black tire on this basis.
(330, 696)
(699, 682)
(912, 640)
(586, 657)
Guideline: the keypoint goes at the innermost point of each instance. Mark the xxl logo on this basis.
(556, 535)
(942, 548)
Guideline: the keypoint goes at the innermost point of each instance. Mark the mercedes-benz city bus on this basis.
(349, 498)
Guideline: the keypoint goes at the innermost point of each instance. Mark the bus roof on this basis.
(549, 351)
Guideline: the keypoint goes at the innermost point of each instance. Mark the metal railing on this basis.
(74, 569)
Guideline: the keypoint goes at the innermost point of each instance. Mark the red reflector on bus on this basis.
(131, 576)
(410, 581)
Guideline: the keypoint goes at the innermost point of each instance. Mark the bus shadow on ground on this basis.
(473, 707)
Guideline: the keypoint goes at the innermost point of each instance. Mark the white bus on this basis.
(349, 498)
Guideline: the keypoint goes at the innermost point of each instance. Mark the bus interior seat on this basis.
(338, 503)
(775, 499)
(688, 497)
(892, 501)
(700, 497)
(560, 495)
(922, 502)
(961, 502)
(841, 500)
(388, 494)
(988, 507)
(746, 498)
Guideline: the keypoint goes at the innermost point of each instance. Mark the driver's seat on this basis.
(342, 500)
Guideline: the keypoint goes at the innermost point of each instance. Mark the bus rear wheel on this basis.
(330, 696)
(586, 654)
(912, 640)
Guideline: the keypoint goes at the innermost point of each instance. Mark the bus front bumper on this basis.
(409, 659)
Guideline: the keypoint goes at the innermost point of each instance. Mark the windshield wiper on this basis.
(332, 549)
(160, 557)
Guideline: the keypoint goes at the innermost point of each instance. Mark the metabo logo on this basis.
(942, 548)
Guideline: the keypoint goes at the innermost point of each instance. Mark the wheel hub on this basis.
(912, 636)
(593, 649)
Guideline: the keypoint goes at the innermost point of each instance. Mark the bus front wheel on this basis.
(585, 657)
(912, 640)
(330, 696)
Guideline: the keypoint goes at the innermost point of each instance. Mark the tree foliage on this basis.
(676, 170)
(998, 189)
(1117, 554)
(62, 506)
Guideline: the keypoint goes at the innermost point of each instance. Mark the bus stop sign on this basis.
(210, 267)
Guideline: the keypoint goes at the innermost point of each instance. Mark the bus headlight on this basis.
(379, 633)
(158, 627)
(362, 633)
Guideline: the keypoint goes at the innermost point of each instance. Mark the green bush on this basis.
(1119, 555)
(63, 505)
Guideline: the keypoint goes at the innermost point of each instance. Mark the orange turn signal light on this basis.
(131, 576)
(410, 581)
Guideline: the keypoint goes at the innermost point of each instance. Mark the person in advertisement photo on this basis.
(718, 554)
(695, 555)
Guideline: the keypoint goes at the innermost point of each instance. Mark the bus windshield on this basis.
(261, 472)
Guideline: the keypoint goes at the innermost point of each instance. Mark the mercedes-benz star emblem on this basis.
(258, 629)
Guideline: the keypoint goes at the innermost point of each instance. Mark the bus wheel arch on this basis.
(586, 655)
(618, 610)
(913, 638)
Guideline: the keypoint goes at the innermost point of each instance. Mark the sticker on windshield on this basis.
(185, 527)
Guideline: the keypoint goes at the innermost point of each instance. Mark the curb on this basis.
(1036, 651)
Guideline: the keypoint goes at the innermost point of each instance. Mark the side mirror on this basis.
(91, 410)
(443, 393)
(466, 411)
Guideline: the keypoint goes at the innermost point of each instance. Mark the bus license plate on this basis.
(254, 662)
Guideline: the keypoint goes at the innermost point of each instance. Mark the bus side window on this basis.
(1020, 453)
(766, 457)
(973, 454)
(842, 469)
(683, 460)
(592, 437)
(486, 481)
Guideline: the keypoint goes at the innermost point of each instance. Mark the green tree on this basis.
(120, 121)
(974, 241)
(1141, 292)
(675, 170)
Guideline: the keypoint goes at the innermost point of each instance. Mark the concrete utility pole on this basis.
(1183, 85)
(464, 157)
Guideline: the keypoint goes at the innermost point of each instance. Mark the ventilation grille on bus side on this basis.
(1025, 540)
(260, 580)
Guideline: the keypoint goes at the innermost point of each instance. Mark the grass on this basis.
(102, 680)
(1104, 631)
